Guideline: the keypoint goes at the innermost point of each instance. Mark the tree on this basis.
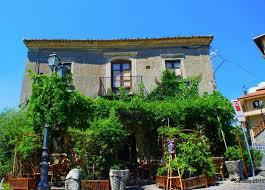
(98, 146)
(17, 141)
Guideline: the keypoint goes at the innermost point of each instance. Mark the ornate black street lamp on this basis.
(61, 70)
(259, 105)
(54, 61)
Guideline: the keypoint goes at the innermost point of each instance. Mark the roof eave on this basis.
(118, 43)
(258, 42)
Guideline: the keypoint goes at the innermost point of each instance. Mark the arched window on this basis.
(121, 75)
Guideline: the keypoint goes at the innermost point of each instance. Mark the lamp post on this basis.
(61, 70)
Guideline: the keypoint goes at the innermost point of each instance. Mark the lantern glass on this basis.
(260, 104)
(62, 71)
(53, 61)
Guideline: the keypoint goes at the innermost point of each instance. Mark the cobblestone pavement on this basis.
(252, 183)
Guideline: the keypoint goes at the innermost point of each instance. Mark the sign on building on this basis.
(238, 110)
(171, 146)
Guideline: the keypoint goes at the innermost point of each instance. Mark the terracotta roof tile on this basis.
(118, 39)
(253, 94)
(120, 43)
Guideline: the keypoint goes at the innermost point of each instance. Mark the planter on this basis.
(22, 183)
(188, 183)
(235, 169)
(118, 179)
(95, 185)
(72, 181)
(161, 181)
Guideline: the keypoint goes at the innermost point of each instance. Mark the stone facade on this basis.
(91, 59)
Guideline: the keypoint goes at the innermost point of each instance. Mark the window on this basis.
(121, 75)
(68, 65)
(175, 65)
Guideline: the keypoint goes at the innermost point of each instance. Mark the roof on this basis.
(258, 93)
(123, 43)
(258, 41)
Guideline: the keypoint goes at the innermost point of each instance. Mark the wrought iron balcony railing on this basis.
(109, 86)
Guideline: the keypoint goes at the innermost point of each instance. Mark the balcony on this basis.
(109, 86)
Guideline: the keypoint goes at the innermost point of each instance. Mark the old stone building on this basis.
(100, 66)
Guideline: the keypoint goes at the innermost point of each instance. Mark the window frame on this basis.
(166, 61)
(121, 62)
(69, 63)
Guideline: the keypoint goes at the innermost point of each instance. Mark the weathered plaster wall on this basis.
(260, 139)
(255, 120)
(89, 65)
(248, 104)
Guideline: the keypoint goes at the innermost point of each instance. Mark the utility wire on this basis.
(218, 66)
(228, 61)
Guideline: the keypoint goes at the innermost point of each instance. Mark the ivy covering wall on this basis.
(100, 128)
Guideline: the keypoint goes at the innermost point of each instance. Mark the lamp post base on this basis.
(44, 185)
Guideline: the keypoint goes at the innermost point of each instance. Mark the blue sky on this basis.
(233, 23)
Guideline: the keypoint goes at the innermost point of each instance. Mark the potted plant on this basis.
(191, 165)
(118, 177)
(233, 163)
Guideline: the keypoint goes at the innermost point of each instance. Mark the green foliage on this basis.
(99, 126)
(118, 166)
(98, 146)
(162, 171)
(172, 86)
(6, 186)
(192, 154)
(257, 157)
(17, 139)
(49, 101)
(169, 132)
(81, 110)
(232, 153)
(255, 154)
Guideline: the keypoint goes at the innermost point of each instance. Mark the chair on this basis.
(219, 166)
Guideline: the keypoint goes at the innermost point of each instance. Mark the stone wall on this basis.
(89, 65)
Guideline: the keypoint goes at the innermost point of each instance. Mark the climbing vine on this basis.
(174, 103)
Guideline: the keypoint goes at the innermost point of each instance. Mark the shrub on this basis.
(17, 141)
(256, 156)
(192, 155)
(232, 153)
(98, 146)
(174, 87)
